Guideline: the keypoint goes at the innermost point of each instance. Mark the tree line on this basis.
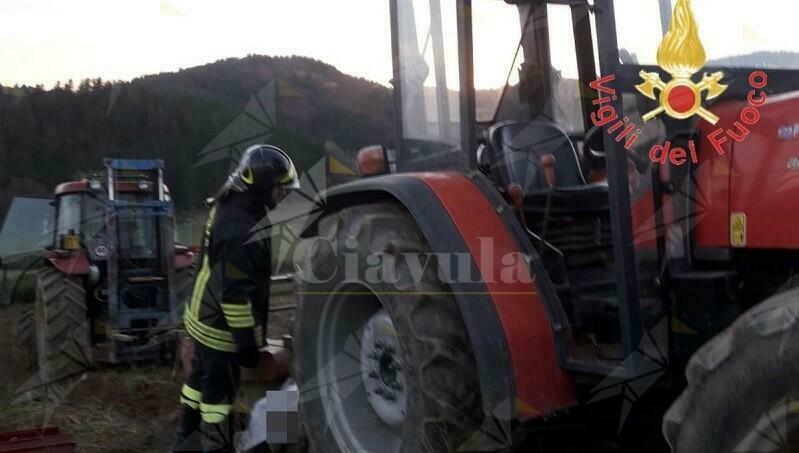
(48, 136)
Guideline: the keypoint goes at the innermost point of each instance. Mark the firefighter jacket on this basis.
(231, 291)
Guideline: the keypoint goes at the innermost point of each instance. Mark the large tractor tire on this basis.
(383, 359)
(25, 334)
(743, 386)
(63, 332)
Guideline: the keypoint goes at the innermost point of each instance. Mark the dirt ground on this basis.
(131, 408)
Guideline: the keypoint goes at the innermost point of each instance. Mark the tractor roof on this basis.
(83, 186)
(72, 187)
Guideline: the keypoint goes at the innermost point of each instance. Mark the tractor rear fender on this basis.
(511, 329)
(77, 264)
(184, 257)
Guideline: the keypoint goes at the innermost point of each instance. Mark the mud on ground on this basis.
(126, 408)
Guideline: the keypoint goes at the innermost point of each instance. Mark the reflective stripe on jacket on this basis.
(231, 290)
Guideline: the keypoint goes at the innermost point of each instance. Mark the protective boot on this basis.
(188, 437)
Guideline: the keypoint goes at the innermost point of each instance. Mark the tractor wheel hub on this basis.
(382, 369)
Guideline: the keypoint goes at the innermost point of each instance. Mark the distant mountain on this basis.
(199, 119)
(777, 60)
(203, 115)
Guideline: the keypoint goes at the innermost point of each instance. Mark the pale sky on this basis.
(43, 41)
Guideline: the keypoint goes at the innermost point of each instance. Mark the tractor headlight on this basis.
(371, 161)
(94, 274)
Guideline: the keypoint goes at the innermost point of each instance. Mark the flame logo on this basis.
(681, 53)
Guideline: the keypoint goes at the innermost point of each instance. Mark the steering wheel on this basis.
(593, 144)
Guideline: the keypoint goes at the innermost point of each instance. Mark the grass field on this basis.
(125, 408)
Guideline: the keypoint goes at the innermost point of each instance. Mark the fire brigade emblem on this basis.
(682, 55)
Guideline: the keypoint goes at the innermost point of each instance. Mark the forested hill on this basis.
(197, 119)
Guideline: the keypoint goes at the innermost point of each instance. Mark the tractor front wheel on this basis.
(383, 358)
(743, 386)
(63, 332)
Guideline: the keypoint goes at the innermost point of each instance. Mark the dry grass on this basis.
(112, 409)
(124, 408)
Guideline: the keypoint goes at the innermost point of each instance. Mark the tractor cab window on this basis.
(138, 234)
(564, 107)
(93, 217)
(428, 72)
(69, 218)
(497, 59)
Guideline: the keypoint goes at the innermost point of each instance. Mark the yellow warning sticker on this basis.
(738, 229)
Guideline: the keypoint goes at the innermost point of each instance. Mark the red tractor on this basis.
(529, 258)
(114, 279)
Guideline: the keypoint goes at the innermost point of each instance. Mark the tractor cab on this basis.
(116, 231)
(587, 194)
(80, 214)
(502, 87)
(81, 211)
(556, 103)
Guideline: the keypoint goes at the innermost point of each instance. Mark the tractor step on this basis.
(703, 275)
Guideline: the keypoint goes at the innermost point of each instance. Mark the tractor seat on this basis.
(518, 149)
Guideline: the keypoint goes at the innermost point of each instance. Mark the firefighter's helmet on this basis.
(261, 168)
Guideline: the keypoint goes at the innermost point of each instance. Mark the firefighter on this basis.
(230, 296)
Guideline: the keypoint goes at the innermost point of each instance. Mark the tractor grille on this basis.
(142, 285)
(583, 275)
(140, 296)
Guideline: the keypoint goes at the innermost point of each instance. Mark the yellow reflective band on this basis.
(210, 222)
(212, 417)
(213, 338)
(237, 309)
(188, 402)
(238, 316)
(214, 413)
(191, 393)
(292, 173)
(199, 286)
(210, 342)
(241, 323)
(223, 409)
(247, 176)
(208, 225)
(215, 334)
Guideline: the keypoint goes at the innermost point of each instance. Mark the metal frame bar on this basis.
(396, 81)
(620, 210)
(440, 67)
(665, 15)
(468, 114)
(586, 67)
(120, 317)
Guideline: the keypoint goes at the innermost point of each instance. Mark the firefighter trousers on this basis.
(207, 401)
